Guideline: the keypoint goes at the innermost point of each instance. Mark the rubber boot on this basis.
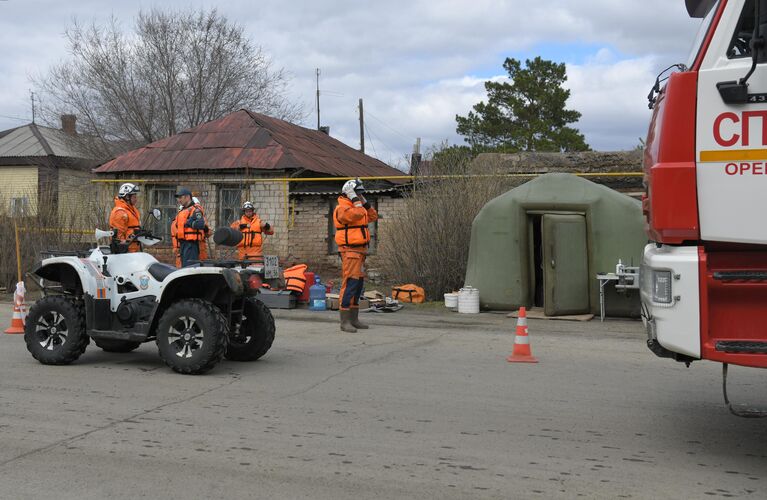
(355, 319)
(346, 324)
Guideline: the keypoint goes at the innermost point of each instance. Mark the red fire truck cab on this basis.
(704, 275)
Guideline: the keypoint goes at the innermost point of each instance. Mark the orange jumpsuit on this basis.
(125, 219)
(351, 220)
(175, 242)
(251, 245)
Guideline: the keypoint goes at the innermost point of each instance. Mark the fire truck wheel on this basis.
(114, 345)
(255, 334)
(55, 330)
(192, 336)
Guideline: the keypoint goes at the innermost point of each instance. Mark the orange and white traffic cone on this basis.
(522, 352)
(19, 310)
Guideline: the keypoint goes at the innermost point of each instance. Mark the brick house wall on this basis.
(269, 197)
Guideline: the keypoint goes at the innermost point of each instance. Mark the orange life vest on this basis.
(295, 279)
(125, 219)
(187, 233)
(250, 247)
(351, 221)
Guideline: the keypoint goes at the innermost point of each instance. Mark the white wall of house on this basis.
(18, 190)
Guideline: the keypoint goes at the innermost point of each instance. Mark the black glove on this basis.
(243, 226)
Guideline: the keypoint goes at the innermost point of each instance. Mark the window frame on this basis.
(19, 206)
(221, 219)
(161, 227)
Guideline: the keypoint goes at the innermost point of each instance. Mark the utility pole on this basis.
(318, 97)
(362, 128)
(32, 96)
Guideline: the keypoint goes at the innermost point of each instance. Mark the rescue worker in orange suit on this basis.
(174, 240)
(190, 228)
(252, 228)
(206, 231)
(125, 219)
(351, 218)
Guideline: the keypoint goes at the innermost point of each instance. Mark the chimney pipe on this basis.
(69, 124)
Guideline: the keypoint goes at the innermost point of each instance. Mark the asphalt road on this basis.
(420, 406)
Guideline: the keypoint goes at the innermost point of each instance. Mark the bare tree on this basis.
(429, 244)
(175, 70)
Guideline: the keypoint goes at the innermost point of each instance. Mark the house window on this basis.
(228, 205)
(163, 198)
(20, 206)
(372, 228)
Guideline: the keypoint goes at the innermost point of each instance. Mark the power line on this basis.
(382, 142)
(389, 127)
(370, 140)
(15, 118)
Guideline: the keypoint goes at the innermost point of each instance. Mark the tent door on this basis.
(565, 264)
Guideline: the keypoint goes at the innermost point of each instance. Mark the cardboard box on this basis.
(333, 301)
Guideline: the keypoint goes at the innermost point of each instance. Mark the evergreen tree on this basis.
(527, 114)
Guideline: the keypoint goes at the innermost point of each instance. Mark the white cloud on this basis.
(612, 99)
(416, 63)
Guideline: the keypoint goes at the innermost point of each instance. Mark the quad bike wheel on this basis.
(192, 336)
(255, 334)
(115, 345)
(55, 330)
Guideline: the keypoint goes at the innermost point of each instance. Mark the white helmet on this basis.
(127, 189)
(353, 185)
(248, 205)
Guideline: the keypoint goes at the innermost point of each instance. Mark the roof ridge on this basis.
(43, 142)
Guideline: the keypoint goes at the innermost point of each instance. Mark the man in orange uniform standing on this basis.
(190, 226)
(125, 220)
(351, 218)
(252, 228)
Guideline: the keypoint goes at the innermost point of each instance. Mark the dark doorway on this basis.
(537, 261)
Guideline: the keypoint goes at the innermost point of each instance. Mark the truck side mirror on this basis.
(733, 91)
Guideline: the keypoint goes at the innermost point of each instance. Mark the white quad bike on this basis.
(196, 315)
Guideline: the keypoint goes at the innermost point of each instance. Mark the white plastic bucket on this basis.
(468, 300)
(451, 300)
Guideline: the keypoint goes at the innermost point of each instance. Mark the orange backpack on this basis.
(408, 293)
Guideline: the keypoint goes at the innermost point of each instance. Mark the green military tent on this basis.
(543, 243)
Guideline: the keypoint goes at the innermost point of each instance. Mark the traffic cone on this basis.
(522, 352)
(19, 310)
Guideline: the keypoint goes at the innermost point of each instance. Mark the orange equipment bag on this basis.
(295, 281)
(408, 293)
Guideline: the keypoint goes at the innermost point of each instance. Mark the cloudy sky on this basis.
(416, 63)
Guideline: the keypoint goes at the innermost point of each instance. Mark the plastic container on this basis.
(304, 297)
(451, 300)
(317, 296)
(468, 300)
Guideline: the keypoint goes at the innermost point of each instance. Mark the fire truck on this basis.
(704, 274)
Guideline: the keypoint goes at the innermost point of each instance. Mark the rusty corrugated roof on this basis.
(250, 140)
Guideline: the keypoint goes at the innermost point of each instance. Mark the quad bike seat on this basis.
(160, 271)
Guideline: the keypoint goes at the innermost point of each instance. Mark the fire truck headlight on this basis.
(661, 287)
